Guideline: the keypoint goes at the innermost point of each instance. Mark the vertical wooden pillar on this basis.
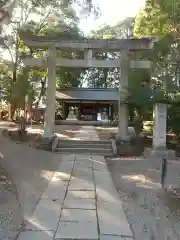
(51, 94)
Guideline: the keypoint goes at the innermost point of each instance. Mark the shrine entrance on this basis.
(88, 46)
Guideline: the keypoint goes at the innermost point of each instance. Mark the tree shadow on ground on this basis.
(81, 173)
(138, 184)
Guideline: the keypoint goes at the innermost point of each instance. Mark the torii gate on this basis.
(124, 46)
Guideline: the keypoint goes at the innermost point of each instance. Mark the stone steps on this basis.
(85, 141)
(85, 144)
(85, 123)
(103, 148)
(100, 152)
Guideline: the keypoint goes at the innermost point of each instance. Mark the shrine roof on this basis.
(88, 94)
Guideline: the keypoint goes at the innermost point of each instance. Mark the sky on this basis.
(113, 11)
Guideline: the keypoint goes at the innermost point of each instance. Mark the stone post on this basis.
(51, 93)
(159, 150)
(159, 130)
(123, 108)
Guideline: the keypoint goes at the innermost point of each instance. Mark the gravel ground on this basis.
(10, 210)
(153, 213)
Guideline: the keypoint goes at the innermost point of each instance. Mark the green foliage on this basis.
(17, 81)
(173, 120)
(151, 21)
(171, 9)
(20, 89)
(103, 77)
(156, 20)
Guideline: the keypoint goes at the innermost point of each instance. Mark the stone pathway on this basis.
(80, 202)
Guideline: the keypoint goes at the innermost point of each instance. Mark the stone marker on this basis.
(54, 143)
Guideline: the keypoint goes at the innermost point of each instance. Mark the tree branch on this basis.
(43, 24)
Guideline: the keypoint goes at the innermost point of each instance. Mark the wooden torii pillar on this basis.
(123, 63)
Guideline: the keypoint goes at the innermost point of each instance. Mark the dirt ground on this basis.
(35, 132)
(106, 133)
(10, 208)
(153, 213)
(66, 131)
(24, 174)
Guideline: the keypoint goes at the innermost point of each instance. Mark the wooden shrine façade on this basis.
(88, 102)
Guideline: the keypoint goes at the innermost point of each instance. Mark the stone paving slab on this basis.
(82, 174)
(112, 219)
(45, 216)
(68, 157)
(78, 215)
(36, 235)
(105, 189)
(104, 195)
(83, 158)
(66, 167)
(65, 163)
(101, 176)
(85, 164)
(102, 189)
(78, 184)
(103, 179)
(99, 166)
(112, 237)
(81, 194)
(61, 176)
(82, 171)
(55, 191)
(80, 203)
(99, 163)
(77, 230)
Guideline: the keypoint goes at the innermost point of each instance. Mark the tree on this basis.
(151, 21)
(86, 7)
(103, 77)
(170, 9)
(6, 11)
(21, 80)
(161, 17)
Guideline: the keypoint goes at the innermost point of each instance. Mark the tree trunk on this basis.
(138, 122)
(29, 112)
(11, 111)
(12, 106)
(42, 92)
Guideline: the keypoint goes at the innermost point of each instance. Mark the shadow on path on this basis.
(30, 171)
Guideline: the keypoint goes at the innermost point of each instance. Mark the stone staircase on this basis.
(103, 148)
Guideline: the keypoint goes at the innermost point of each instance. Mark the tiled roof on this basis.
(88, 94)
